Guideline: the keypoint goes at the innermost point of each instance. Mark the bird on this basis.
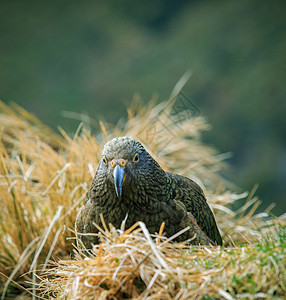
(130, 185)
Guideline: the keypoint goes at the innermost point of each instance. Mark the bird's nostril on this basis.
(121, 162)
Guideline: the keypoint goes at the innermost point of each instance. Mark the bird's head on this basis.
(126, 164)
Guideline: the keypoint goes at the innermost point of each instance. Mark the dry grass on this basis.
(131, 265)
(43, 181)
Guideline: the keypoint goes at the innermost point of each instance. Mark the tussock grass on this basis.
(43, 181)
(132, 265)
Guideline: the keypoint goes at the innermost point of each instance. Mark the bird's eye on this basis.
(104, 160)
(136, 157)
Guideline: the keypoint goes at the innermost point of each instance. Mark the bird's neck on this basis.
(138, 194)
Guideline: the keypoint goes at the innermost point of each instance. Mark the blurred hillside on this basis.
(92, 56)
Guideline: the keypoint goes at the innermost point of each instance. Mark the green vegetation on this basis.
(90, 57)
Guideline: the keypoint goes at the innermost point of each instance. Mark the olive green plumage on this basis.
(130, 182)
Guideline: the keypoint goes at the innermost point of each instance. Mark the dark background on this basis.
(92, 56)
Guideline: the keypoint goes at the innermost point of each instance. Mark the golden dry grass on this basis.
(43, 181)
(132, 265)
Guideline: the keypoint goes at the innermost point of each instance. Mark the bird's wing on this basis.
(79, 222)
(192, 196)
(84, 224)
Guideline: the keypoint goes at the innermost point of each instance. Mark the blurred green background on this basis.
(92, 56)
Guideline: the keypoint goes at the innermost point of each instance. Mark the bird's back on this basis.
(191, 195)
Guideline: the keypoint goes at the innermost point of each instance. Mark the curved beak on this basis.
(118, 175)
